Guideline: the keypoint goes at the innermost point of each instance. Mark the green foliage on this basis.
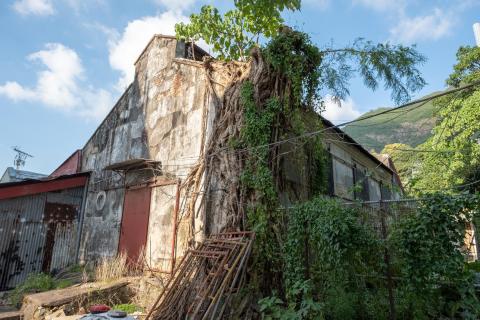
(455, 156)
(292, 54)
(404, 159)
(430, 253)
(255, 134)
(467, 69)
(128, 308)
(307, 308)
(305, 260)
(334, 267)
(326, 246)
(234, 33)
(313, 71)
(394, 65)
(36, 282)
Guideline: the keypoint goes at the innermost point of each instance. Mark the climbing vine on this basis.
(431, 253)
(278, 100)
(334, 265)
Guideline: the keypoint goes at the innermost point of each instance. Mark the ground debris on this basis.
(206, 279)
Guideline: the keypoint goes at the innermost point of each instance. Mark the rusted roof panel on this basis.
(29, 187)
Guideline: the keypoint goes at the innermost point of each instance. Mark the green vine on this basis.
(296, 63)
(320, 259)
(292, 54)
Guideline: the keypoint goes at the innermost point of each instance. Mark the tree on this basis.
(404, 159)
(453, 160)
(233, 35)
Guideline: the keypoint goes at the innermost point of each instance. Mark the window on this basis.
(374, 190)
(361, 184)
(343, 179)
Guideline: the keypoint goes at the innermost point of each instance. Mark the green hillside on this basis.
(412, 126)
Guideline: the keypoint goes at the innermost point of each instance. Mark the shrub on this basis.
(38, 282)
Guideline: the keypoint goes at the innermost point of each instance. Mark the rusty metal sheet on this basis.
(22, 238)
(134, 228)
(24, 229)
(57, 216)
(65, 240)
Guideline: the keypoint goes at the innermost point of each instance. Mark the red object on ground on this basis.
(99, 308)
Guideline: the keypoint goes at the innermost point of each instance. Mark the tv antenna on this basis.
(20, 157)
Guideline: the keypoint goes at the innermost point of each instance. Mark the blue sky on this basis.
(65, 62)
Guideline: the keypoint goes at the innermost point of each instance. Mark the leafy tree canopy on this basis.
(467, 68)
(234, 33)
(454, 160)
(405, 161)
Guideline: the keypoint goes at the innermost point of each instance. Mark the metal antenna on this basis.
(20, 157)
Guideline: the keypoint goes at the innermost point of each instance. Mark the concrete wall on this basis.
(158, 117)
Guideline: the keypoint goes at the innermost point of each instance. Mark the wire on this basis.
(391, 119)
(314, 133)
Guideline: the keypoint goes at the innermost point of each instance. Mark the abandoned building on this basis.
(136, 167)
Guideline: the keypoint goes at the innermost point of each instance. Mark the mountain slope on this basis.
(411, 126)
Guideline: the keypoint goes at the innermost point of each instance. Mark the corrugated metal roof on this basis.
(29, 187)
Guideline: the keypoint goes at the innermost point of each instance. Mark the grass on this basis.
(38, 282)
(128, 308)
(112, 268)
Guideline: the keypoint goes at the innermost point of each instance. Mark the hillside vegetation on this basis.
(412, 126)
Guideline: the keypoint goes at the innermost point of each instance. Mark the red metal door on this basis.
(133, 232)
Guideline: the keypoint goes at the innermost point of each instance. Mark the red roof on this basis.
(29, 187)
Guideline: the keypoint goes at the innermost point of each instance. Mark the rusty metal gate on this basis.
(38, 233)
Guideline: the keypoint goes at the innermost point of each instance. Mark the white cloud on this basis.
(59, 84)
(175, 4)
(124, 49)
(428, 27)
(16, 92)
(340, 112)
(34, 7)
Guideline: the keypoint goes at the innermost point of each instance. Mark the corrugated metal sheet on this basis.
(24, 232)
(65, 241)
(22, 238)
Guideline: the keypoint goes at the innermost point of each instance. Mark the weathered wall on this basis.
(159, 241)
(121, 136)
(159, 117)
